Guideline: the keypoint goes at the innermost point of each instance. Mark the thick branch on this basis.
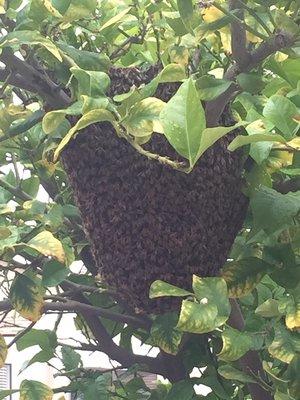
(238, 36)
(35, 81)
(215, 108)
(250, 362)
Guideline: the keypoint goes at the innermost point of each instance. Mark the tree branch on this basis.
(250, 362)
(238, 36)
(78, 307)
(34, 80)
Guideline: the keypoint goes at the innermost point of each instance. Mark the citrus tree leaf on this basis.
(54, 273)
(26, 296)
(209, 87)
(283, 120)
(164, 334)
(91, 83)
(285, 344)
(141, 117)
(33, 390)
(46, 244)
(186, 11)
(79, 9)
(272, 210)
(240, 141)
(211, 135)
(46, 339)
(71, 359)
(235, 344)
(242, 276)
(115, 20)
(86, 120)
(162, 289)
(268, 309)
(197, 317)
(183, 121)
(231, 373)
(3, 351)
(17, 38)
(213, 291)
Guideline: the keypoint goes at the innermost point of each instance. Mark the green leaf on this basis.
(211, 135)
(46, 339)
(213, 291)
(186, 11)
(31, 186)
(183, 121)
(281, 111)
(162, 289)
(164, 334)
(92, 103)
(41, 9)
(70, 358)
(91, 83)
(285, 22)
(33, 390)
(86, 120)
(53, 119)
(272, 210)
(86, 60)
(235, 345)
(285, 344)
(3, 351)
(140, 121)
(79, 9)
(54, 273)
(27, 296)
(242, 276)
(42, 356)
(251, 82)
(268, 309)
(12, 236)
(46, 244)
(209, 87)
(197, 317)
(231, 373)
(182, 390)
(17, 38)
(240, 141)
(115, 20)
(291, 307)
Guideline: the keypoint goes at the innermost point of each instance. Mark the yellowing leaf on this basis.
(3, 351)
(26, 296)
(212, 14)
(235, 345)
(114, 20)
(48, 245)
(243, 275)
(33, 390)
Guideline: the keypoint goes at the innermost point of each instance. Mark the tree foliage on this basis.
(241, 329)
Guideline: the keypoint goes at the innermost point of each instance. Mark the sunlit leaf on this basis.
(209, 87)
(183, 121)
(197, 317)
(240, 141)
(213, 291)
(115, 20)
(161, 289)
(45, 243)
(268, 309)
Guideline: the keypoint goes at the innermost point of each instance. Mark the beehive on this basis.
(146, 221)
